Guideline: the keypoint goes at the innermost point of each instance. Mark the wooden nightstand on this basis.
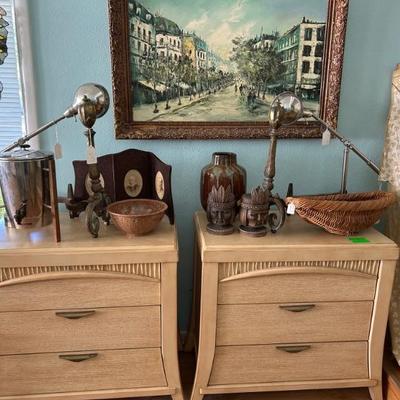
(301, 309)
(88, 318)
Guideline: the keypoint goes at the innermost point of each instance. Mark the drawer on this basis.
(103, 328)
(77, 292)
(296, 288)
(239, 324)
(48, 373)
(265, 364)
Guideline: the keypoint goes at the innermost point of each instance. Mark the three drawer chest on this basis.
(299, 309)
(88, 318)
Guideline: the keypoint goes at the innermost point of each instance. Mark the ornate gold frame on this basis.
(126, 128)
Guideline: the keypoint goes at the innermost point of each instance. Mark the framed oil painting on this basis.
(209, 69)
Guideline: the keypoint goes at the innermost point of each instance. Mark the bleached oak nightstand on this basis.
(301, 309)
(88, 318)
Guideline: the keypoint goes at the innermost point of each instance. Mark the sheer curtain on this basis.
(11, 109)
(390, 172)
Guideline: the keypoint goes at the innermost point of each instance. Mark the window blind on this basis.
(12, 124)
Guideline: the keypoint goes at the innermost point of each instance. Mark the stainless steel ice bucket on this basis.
(25, 187)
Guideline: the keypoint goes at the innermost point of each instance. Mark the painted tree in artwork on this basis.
(181, 72)
(257, 67)
(268, 69)
(166, 70)
(3, 40)
(188, 75)
(241, 55)
(213, 77)
(151, 73)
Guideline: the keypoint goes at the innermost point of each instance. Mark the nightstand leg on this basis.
(378, 327)
(208, 321)
(190, 340)
(376, 392)
(169, 334)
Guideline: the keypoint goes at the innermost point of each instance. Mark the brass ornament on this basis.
(88, 184)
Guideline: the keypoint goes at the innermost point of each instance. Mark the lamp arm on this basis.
(346, 142)
(69, 112)
(21, 141)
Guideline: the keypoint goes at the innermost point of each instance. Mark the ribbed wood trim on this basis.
(151, 270)
(228, 269)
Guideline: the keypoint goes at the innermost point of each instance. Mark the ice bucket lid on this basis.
(26, 155)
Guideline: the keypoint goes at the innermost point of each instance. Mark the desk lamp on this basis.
(91, 101)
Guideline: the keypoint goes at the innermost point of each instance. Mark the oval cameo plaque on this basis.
(133, 183)
(88, 184)
(159, 184)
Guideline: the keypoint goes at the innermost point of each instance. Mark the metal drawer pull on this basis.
(293, 349)
(77, 357)
(75, 314)
(297, 307)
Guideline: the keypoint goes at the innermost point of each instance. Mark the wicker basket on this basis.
(343, 214)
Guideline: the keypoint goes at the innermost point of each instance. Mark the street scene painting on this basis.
(223, 60)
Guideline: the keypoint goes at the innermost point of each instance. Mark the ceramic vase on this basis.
(222, 171)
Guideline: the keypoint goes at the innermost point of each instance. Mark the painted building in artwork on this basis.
(142, 34)
(287, 46)
(169, 37)
(201, 53)
(265, 41)
(311, 51)
(189, 48)
(196, 49)
(302, 50)
(214, 61)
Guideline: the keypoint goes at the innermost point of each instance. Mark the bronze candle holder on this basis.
(99, 199)
(221, 211)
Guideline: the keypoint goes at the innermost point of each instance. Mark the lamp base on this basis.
(96, 209)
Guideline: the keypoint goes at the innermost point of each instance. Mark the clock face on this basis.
(160, 185)
(133, 183)
(88, 184)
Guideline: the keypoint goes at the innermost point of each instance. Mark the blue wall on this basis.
(71, 46)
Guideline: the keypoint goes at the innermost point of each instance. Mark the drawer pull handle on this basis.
(75, 314)
(77, 357)
(293, 349)
(297, 307)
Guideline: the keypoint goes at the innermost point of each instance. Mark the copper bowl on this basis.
(137, 217)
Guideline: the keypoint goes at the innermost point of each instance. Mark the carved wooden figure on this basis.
(221, 210)
(254, 212)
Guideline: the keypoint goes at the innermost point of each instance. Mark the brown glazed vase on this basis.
(222, 171)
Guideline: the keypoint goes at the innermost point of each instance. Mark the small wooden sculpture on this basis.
(221, 210)
(254, 212)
